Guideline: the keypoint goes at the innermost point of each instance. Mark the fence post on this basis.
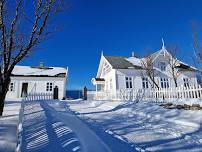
(85, 90)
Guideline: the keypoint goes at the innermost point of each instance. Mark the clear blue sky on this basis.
(118, 27)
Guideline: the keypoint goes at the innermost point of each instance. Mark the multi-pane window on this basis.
(145, 83)
(164, 83)
(129, 83)
(11, 87)
(186, 82)
(162, 66)
(49, 86)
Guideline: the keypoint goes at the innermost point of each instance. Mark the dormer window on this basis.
(162, 66)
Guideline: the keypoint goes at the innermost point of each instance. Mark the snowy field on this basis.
(148, 126)
(8, 126)
(100, 126)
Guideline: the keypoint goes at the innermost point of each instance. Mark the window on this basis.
(11, 87)
(186, 82)
(49, 86)
(164, 83)
(129, 83)
(162, 66)
(145, 83)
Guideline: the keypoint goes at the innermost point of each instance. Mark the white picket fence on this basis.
(20, 127)
(149, 94)
(38, 96)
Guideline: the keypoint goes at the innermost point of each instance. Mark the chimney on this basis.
(41, 64)
(133, 54)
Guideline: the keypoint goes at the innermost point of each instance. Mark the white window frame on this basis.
(129, 82)
(49, 86)
(186, 82)
(162, 66)
(164, 83)
(145, 83)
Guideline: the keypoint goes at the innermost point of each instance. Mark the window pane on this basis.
(131, 84)
(127, 85)
(162, 83)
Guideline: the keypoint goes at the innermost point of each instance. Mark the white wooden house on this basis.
(27, 80)
(117, 73)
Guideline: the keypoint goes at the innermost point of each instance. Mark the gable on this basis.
(104, 65)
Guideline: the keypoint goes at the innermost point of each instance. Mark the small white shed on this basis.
(27, 79)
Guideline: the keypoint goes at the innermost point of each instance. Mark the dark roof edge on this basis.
(55, 76)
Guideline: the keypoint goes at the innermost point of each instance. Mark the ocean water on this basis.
(74, 94)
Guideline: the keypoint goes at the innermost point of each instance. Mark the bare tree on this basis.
(197, 45)
(23, 27)
(173, 63)
(148, 66)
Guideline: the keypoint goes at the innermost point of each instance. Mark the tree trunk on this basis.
(175, 83)
(3, 91)
(2, 100)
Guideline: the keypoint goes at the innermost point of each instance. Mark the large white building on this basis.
(116, 73)
(27, 79)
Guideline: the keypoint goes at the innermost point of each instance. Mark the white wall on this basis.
(110, 76)
(138, 74)
(190, 75)
(36, 85)
(136, 78)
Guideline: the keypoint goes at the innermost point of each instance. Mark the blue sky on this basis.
(117, 27)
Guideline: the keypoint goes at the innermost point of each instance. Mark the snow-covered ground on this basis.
(148, 126)
(51, 126)
(8, 126)
(100, 126)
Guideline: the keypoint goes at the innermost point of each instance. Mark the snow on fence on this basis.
(160, 94)
(39, 96)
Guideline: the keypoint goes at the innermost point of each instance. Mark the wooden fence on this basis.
(149, 94)
(38, 96)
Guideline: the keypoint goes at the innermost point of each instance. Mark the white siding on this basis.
(136, 77)
(36, 85)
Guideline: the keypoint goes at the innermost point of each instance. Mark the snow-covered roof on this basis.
(134, 61)
(39, 71)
